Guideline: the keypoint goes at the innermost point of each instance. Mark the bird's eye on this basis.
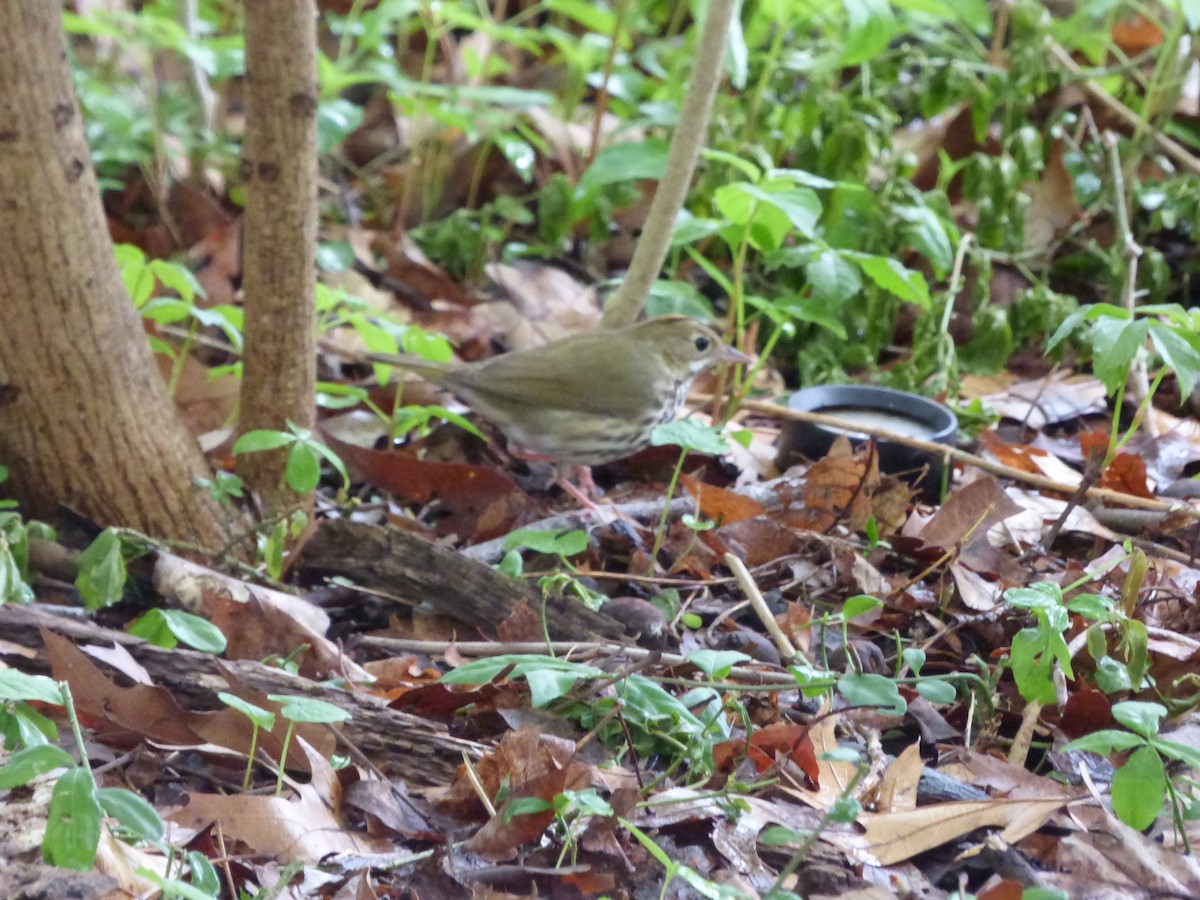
(702, 343)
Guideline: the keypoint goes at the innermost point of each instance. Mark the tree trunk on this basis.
(279, 172)
(85, 418)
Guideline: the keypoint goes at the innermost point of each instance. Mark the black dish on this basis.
(902, 413)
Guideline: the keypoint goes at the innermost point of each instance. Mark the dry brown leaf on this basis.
(530, 765)
(307, 827)
(1053, 207)
(137, 712)
(895, 837)
(721, 506)
(968, 514)
(975, 591)
(254, 617)
(834, 777)
(898, 788)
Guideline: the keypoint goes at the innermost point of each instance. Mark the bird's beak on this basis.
(731, 355)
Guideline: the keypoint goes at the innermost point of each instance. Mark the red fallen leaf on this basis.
(1126, 473)
(840, 485)
(793, 741)
(532, 765)
(439, 702)
(426, 281)
(1002, 890)
(757, 541)
(1087, 710)
(140, 710)
(591, 883)
(523, 624)
(483, 503)
(1137, 36)
(1011, 455)
(720, 505)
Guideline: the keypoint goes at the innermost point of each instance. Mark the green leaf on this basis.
(303, 471)
(859, 605)
(779, 836)
(802, 206)
(811, 309)
(591, 16)
(1041, 893)
(554, 676)
(556, 543)
(631, 161)
(30, 762)
(335, 256)
(336, 118)
(178, 279)
(871, 28)
(690, 435)
(257, 441)
(1084, 313)
(1191, 13)
(256, 714)
(648, 701)
(1178, 352)
(133, 812)
(547, 684)
(895, 278)
(769, 211)
(15, 685)
(101, 578)
(29, 728)
(1136, 643)
(1092, 607)
(307, 709)
(689, 229)
(914, 658)
(748, 170)
(526, 806)
(1031, 667)
(808, 179)
(678, 298)
(73, 825)
(872, 690)
(936, 690)
(165, 627)
(1115, 342)
(741, 205)
(1183, 752)
(1106, 741)
(928, 235)
(204, 875)
(588, 801)
(1041, 595)
(832, 278)
(1140, 717)
(1139, 788)
(174, 888)
(1112, 676)
(716, 664)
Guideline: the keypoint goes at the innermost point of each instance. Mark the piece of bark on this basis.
(401, 745)
(409, 568)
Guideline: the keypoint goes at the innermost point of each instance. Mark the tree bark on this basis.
(85, 418)
(405, 566)
(279, 172)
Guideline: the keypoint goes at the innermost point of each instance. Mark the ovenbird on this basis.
(589, 398)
